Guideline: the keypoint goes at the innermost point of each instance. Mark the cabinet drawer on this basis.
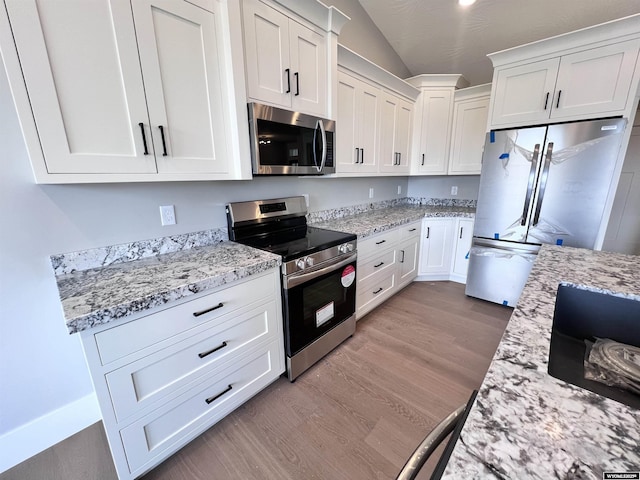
(133, 336)
(411, 230)
(377, 243)
(377, 265)
(175, 423)
(141, 383)
(375, 292)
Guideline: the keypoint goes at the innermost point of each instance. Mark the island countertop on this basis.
(371, 222)
(100, 295)
(526, 424)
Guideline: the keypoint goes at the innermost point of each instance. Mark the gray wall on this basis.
(440, 186)
(362, 36)
(42, 368)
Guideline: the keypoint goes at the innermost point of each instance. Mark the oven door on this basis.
(317, 300)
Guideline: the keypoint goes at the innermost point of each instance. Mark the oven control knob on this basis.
(350, 247)
(343, 248)
(309, 261)
(301, 264)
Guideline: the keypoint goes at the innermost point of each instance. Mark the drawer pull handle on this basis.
(378, 265)
(215, 397)
(380, 242)
(378, 291)
(202, 312)
(204, 354)
(412, 229)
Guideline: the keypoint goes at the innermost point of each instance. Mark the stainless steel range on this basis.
(318, 275)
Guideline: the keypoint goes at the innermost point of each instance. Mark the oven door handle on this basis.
(294, 280)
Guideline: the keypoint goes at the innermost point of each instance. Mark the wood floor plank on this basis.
(357, 414)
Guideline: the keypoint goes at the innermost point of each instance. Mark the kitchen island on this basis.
(526, 424)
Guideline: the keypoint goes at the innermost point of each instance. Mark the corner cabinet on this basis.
(470, 114)
(589, 73)
(395, 134)
(165, 376)
(444, 249)
(432, 122)
(140, 91)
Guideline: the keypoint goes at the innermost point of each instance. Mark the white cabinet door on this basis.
(266, 44)
(468, 137)
(464, 236)
(180, 58)
(436, 247)
(524, 94)
(308, 63)
(357, 125)
(81, 69)
(408, 261)
(434, 132)
(595, 81)
(395, 134)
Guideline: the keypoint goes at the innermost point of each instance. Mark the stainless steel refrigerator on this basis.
(546, 184)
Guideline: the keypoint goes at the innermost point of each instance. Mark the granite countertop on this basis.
(526, 424)
(100, 295)
(374, 221)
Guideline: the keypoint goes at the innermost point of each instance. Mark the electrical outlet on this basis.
(371, 192)
(399, 189)
(167, 215)
(454, 190)
(306, 199)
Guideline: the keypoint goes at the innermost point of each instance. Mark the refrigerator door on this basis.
(510, 166)
(577, 169)
(498, 272)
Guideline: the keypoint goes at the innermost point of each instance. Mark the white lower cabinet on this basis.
(444, 248)
(165, 376)
(387, 262)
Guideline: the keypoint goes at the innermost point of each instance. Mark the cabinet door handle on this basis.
(144, 139)
(215, 397)
(357, 156)
(402, 261)
(164, 144)
(378, 291)
(423, 159)
(297, 84)
(202, 312)
(204, 354)
(362, 155)
(378, 265)
(428, 231)
(288, 80)
(558, 102)
(412, 229)
(399, 158)
(461, 232)
(380, 242)
(546, 101)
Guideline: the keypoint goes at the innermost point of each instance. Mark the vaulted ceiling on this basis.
(439, 36)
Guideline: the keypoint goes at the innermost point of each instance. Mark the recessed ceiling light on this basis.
(466, 3)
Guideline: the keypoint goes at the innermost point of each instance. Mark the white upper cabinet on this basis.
(358, 118)
(432, 122)
(286, 62)
(395, 134)
(470, 112)
(121, 91)
(589, 73)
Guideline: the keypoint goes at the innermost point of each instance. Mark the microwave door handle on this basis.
(324, 145)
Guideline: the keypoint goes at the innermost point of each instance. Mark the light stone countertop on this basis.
(100, 295)
(375, 221)
(526, 424)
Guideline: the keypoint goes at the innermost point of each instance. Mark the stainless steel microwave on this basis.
(290, 143)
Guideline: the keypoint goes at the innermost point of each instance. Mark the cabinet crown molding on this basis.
(329, 19)
(438, 81)
(619, 30)
(473, 92)
(350, 60)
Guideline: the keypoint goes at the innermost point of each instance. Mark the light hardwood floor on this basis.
(357, 414)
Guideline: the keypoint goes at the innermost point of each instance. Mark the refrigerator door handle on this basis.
(532, 176)
(543, 183)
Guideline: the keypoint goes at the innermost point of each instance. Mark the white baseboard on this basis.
(44, 432)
